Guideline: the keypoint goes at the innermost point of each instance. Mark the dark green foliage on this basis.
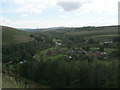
(115, 53)
(116, 39)
(101, 49)
(23, 51)
(62, 74)
(87, 48)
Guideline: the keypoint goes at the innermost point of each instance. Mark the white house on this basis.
(108, 42)
(58, 44)
(70, 57)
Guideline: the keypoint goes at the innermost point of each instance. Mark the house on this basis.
(99, 55)
(70, 57)
(58, 44)
(22, 62)
(103, 53)
(108, 42)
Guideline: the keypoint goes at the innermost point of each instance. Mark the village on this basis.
(78, 53)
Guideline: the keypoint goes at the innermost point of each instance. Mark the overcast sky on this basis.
(55, 13)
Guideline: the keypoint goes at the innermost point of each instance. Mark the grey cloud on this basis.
(70, 6)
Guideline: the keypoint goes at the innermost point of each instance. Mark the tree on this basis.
(101, 49)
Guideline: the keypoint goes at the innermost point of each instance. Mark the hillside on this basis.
(99, 33)
(103, 33)
(11, 36)
(11, 80)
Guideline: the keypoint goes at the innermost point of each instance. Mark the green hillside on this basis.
(11, 36)
(98, 33)
(103, 33)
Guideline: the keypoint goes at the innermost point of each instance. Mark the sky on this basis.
(56, 13)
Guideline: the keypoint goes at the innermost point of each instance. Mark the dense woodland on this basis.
(70, 58)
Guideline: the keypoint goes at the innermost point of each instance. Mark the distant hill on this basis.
(42, 29)
(11, 36)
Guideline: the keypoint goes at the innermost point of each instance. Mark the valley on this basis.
(84, 57)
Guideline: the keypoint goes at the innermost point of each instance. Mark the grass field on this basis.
(106, 37)
(105, 31)
(105, 34)
(11, 36)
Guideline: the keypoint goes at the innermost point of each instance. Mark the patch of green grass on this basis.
(94, 48)
(64, 48)
(98, 36)
(55, 57)
(37, 56)
(110, 35)
(46, 50)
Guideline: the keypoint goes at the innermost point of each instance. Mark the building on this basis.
(108, 42)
